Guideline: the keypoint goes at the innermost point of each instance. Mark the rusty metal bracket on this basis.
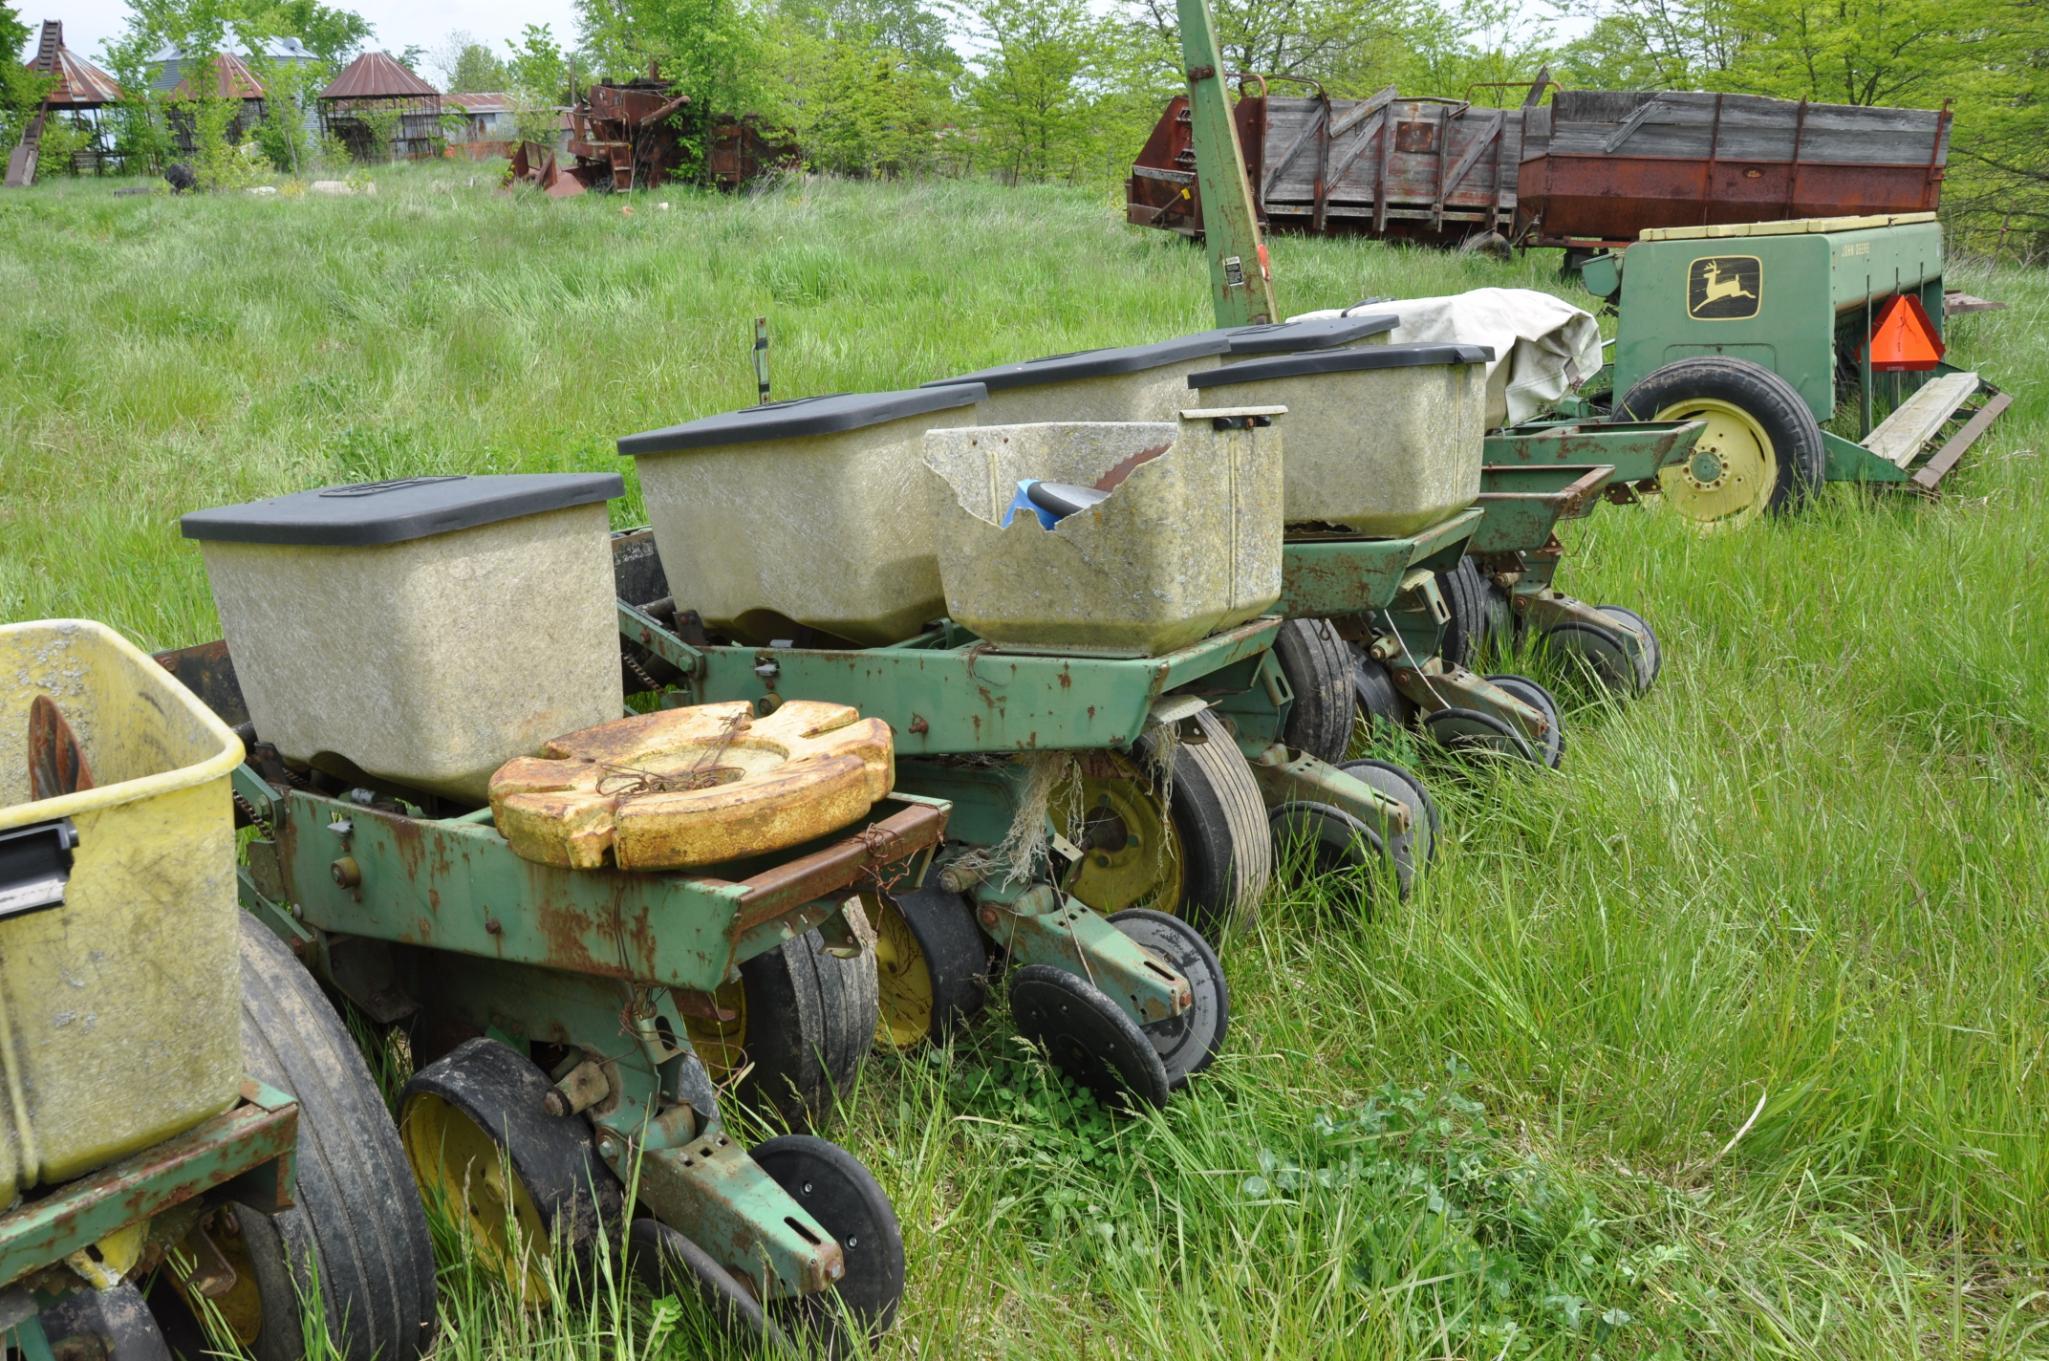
(717, 1196)
(1044, 926)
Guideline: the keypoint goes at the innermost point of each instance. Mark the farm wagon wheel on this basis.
(931, 965)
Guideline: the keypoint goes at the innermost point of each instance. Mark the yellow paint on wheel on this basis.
(721, 1045)
(1131, 850)
(463, 1172)
(903, 979)
(1729, 478)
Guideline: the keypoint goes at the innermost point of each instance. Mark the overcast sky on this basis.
(88, 23)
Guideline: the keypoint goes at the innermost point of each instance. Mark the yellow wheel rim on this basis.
(903, 978)
(463, 1170)
(240, 1306)
(1131, 851)
(721, 1045)
(1728, 479)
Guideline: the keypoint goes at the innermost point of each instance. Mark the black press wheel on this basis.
(1651, 658)
(1470, 732)
(487, 1153)
(802, 1016)
(1189, 1042)
(1762, 451)
(1318, 668)
(1201, 853)
(85, 1324)
(1600, 653)
(832, 1185)
(1481, 621)
(356, 1232)
(1332, 841)
(1398, 782)
(661, 1256)
(1087, 1036)
(1552, 749)
(931, 965)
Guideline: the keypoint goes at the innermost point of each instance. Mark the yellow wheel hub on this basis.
(721, 1045)
(211, 1271)
(1131, 852)
(1729, 478)
(463, 1170)
(903, 978)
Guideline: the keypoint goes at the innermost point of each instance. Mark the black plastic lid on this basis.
(803, 416)
(1069, 368)
(1341, 361)
(1314, 333)
(367, 513)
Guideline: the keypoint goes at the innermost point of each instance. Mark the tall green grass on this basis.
(1728, 1040)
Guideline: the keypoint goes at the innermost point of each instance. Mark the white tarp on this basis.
(1546, 346)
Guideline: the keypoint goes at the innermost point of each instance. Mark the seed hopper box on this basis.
(370, 623)
(1187, 540)
(1381, 439)
(1123, 383)
(118, 971)
(811, 512)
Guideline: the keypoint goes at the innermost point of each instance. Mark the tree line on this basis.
(1066, 90)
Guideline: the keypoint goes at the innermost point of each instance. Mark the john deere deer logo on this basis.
(1724, 287)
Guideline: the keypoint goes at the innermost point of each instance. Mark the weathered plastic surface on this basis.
(429, 662)
(1188, 543)
(824, 530)
(693, 786)
(1380, 452)
(120, 1006)
(1158, 394)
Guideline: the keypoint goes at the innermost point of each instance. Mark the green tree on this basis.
(867, 85)
(14, 35)
(1031, 97)
(477, 71)
(538, 75)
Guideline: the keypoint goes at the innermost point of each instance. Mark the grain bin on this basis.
(119, 983)
(421, 631)
(811, 512)
(1383, 440)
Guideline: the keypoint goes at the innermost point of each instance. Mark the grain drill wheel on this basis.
(1762, 451)
(356, 1233)
(1202, 853)
(802, 1017)
(931, 965)
(489, 1157)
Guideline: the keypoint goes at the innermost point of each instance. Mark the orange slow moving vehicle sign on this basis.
(1904, 339)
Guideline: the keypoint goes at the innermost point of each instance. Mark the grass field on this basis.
(1798, 892)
